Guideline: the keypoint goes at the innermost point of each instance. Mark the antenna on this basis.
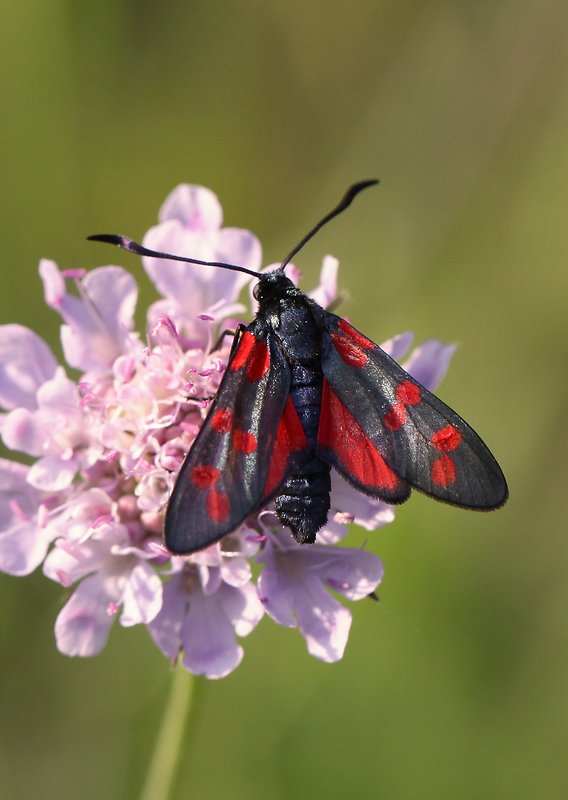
(140, 250)
(346, 201)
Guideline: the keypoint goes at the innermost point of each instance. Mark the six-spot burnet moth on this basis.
(304, 391)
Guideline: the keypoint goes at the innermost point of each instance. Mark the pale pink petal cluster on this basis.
(106, 436)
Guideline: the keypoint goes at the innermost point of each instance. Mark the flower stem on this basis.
(165, 758)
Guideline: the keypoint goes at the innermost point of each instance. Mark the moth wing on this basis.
(243, 451)
(385, 433)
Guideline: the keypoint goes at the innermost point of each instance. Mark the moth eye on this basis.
(256, 292)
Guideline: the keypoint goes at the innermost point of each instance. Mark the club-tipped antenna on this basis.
(345, 202)
(133, 247)
(140, 250)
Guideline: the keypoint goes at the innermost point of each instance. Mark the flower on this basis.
(107, 434)
(295, 583)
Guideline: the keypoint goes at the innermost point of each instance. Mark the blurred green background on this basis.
(454, 686)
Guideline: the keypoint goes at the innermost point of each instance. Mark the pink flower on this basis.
(295, 584)
(113, 574)
(107, 443)
(190, 224)
(99, 321)
(205, 607)
(24, 534)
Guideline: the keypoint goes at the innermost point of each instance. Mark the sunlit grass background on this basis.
(455, 685)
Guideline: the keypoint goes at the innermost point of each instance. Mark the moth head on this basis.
(272, 285)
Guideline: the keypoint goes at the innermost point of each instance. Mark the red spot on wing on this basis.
(259, 362)
(443, 471)
(217, 505)
(340, 432)
(349, 350)
(254, 355)
(446, 439)
(244, 442)
(243, 351)
(408, 393)
(204, 476)
(395, 417)
(357, 337)
(222, 420)
(290, 438)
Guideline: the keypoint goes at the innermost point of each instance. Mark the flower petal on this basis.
(23, 542)
(324, 623)
(368, 512)
(52, 474)
(353, 573)
(429, 362)
(295, 596)
(397, 345)
(60, 395)
(24, 430)
(25, 363)
(142, 597)
(196, 207)
(241, 247)
(84, 622)
(243, 608)
(99, 320)
(23, 547)
(193, 288)
(293, 586)
(166, 627)
(326, 292)
(208, 635)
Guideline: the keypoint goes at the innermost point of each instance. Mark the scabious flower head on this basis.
(106, 440)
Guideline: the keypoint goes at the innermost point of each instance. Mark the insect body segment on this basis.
(259, 440)
(303, 501)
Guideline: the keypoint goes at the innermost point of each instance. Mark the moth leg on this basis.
(236, 340)
(201, 399)
(234, 332)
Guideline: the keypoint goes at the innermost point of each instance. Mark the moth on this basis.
(303, 392)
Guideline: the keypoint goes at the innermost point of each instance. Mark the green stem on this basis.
(165, 758)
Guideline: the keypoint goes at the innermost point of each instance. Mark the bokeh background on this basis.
(455, 684)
